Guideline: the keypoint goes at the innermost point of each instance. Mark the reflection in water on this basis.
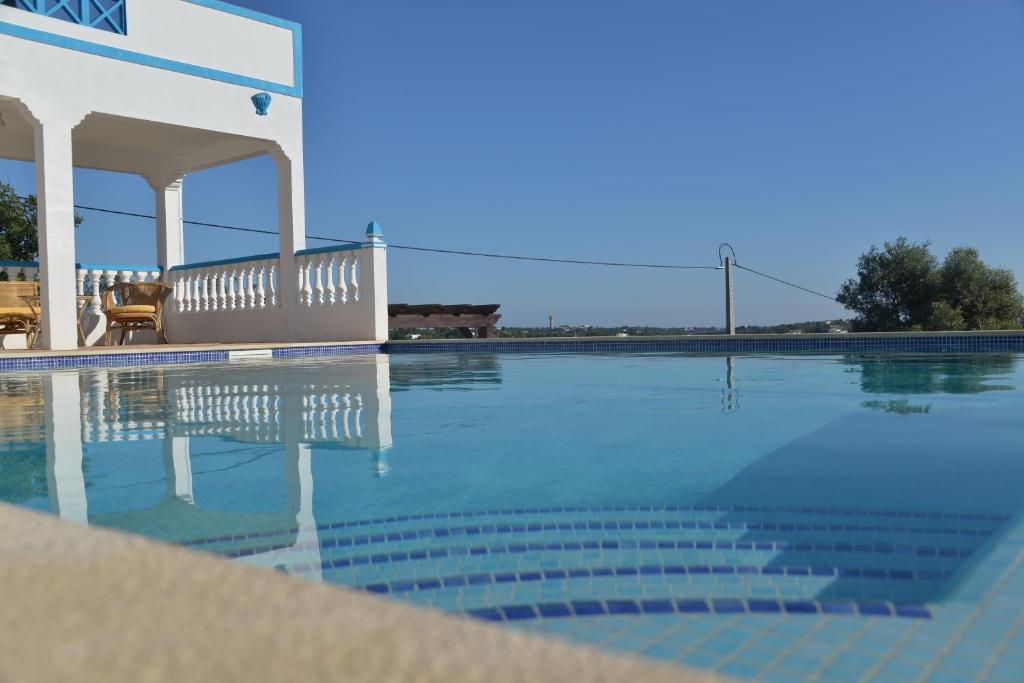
(964, 374)
(63, 411)
(913, 499)
(571, 478)
(730, 394)
(900, 407)
(447, 372)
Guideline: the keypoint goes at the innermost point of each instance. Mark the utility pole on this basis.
(730, 316)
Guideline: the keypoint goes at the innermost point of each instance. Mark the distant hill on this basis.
(630, 330)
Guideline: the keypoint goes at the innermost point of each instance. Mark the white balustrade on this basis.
(329, 278)
(238, 286)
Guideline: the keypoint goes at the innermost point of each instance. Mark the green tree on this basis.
(985, 298)
(18, 219)
(894, 289)
(903, 287)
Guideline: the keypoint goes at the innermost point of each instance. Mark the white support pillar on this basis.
(63, 418)
(374, 282)
(291, 219)
(170, 232)
(55, 193)
(178, 468)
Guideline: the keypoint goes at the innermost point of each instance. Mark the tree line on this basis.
(904, 287)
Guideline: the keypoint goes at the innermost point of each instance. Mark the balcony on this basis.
(106, 15)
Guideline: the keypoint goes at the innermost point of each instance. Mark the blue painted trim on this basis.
(105, 19)
(225, 262)
(325, 250)
(247, 13)
(114, 266)
(100, 50)
(95, 266)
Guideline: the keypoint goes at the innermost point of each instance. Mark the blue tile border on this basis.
(997, 518)
(397, 586)
(809, 343)
(821, 344)
(110, 360)
(326, 350)
(692, 606)
(132, 359)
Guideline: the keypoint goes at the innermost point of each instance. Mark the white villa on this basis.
(162, 88)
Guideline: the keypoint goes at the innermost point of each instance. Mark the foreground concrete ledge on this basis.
(86, 604)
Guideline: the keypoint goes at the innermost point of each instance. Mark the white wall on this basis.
(186, 32)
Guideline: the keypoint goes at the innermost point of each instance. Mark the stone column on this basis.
(291, 222)
(55, 195)
(375, 282)
(170, 232)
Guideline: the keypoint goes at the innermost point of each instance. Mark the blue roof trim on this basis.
(225, 262)
(115, 266)
(247, 13)
(295, 90)
(324, 250)
(94, 266)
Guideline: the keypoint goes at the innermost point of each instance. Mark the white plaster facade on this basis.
(169, 97)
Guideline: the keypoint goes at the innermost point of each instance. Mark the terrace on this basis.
(97, 97)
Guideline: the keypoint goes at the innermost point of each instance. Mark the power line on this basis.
(785, 282)
(513, 257)
(210, 225)
(426, 249)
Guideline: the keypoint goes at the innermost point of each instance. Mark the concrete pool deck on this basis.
(96, 605)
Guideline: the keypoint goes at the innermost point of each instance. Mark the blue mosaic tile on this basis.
(830, 344)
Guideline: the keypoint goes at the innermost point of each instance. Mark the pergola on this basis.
(188, 85)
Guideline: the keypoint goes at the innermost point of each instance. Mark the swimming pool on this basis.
(820, 518)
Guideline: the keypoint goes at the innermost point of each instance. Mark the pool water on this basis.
(780, 518)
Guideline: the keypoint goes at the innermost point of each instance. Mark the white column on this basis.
(63, 418)
(170, 233)
(373, 282)
(291, 220)
(55, 192)
(178, 467)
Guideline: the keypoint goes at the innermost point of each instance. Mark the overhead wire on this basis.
(459, 252)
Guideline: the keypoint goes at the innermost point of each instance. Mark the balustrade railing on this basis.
(329, 276)
(242, 284)
(90, 278)
(107, 15)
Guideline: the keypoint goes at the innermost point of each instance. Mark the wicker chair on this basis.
(16, 315)
(135, 306)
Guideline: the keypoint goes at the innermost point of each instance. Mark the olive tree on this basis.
(902, 286)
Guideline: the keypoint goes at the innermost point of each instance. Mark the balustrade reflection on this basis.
(347, 408)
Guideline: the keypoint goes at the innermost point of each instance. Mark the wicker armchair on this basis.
(16, 315)
(135, 306)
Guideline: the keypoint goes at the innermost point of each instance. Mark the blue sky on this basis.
(801, 131)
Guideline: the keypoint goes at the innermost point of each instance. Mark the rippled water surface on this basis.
(778, 518)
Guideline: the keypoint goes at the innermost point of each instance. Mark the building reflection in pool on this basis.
(68, 411)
